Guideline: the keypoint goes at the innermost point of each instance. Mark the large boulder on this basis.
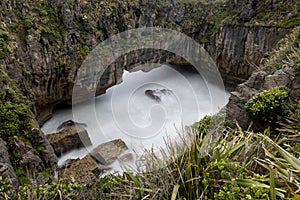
(68, 139)
(108, 152)
(83, 170)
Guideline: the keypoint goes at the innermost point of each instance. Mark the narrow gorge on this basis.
(44, 43)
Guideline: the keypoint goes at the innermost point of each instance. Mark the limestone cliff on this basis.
(43, 43)
(281, 67)
(51, 39)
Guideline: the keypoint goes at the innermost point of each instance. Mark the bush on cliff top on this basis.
(269, 106)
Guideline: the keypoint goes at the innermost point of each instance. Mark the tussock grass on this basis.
(286, 54)
(221, 163)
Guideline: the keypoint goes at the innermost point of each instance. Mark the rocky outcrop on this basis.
(83, 170)
(108, 152)
(258, 82)
(238, 50)
(69, 138)
(43, 44)
(51, 49)
(6, 168)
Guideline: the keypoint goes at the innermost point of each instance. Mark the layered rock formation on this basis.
(68, 139)
(56, 36)
(44, 43)
(238, 50)
(83, 170)
(108, 152)
(6, 168)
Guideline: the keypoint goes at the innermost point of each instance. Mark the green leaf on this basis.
(272, 185)
(175, 192)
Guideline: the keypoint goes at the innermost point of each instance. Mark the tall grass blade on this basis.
(272, 185)
(175, 192)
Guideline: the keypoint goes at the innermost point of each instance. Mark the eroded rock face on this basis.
(69, 138)
(108, 152)
(32, 163)
(83, 170)
(45, 59)
(51, 58)
(258, 82)
(238, 50)
(6, 168)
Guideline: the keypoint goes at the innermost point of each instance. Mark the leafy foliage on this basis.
(208, 122)
(4, 36)
(5, 188)
(269, 106)
(64, 189)
(16, 121)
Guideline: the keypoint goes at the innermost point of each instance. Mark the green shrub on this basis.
(208, 123)
(4, 39)
(291, 22)
(64, 189)
(269, 106)
(5, 188)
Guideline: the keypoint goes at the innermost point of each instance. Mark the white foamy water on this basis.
(126, 112)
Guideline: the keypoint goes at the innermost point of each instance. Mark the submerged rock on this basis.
(126, 157)
(69, 138)
(108, 152)
(157, 94)
(83, 170)
(68, 123)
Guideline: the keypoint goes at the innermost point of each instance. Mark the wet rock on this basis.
(157, 94)
(6, 169)
(126, 157)
(83, 170)
(108, 152)
(69, 138)
(153, 95)
(68, 123)
(48, 153)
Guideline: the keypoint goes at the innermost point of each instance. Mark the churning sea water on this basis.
(176, 98)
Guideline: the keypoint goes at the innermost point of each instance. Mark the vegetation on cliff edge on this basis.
(239, 164)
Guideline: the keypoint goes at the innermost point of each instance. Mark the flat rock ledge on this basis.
(88, 169)
(70, 138)
(83, 170)
(108, 152)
